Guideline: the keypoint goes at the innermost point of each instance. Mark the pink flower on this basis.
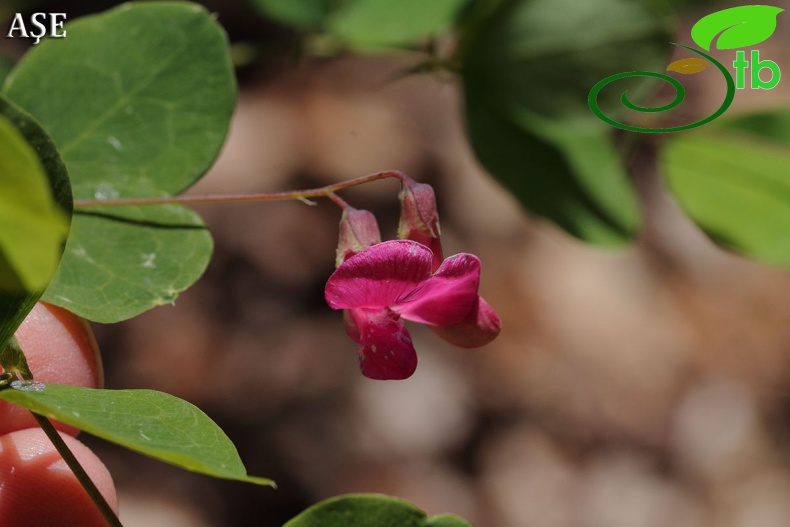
(392, 281)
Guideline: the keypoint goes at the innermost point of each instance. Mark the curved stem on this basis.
(79, 472)
(300, 195)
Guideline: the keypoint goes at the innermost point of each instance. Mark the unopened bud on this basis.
(419, 219)
(358, 231)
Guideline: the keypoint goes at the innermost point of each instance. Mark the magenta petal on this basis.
(378, 276)
(480, 327)
(448, 296)
(385, 348)
(434, 244)
(350, 324)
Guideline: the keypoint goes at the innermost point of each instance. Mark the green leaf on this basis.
(134, 257)
(132, 116)
(5, 67)
(138, 100)
(372, 24)
(527, 72)
(34, 227)
(569, 174)
(545, 55)
(740, 27)
(446, 520)
(303, 14)
(370, 510)
(731, 178)
(35, 206)
(153, 423)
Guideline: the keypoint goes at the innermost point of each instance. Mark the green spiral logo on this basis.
(680, 93)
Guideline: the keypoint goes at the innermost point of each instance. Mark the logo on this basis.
(737, 27)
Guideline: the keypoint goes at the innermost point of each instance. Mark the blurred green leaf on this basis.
(545, 55)
(370, 510)
(527, 71)
(571, 175)
(732, 178)
(8, 8)
(739, 27)
(302, 14)
(374, 24)
(138, 100)
(446, 520)
(5, 67)
(35, 207)
(153, 423)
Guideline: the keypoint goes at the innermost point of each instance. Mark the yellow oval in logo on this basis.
(688, 66)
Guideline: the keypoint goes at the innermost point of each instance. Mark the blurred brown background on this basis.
(639, 388)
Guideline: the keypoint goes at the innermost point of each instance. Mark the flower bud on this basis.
(419, 219)
(358, 231)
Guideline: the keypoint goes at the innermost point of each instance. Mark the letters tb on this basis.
(741, 64)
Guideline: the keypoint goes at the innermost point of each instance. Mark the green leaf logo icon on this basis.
(739, 27)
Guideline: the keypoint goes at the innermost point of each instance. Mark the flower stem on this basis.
(340, 202)
(79, 472)
(300, 195)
